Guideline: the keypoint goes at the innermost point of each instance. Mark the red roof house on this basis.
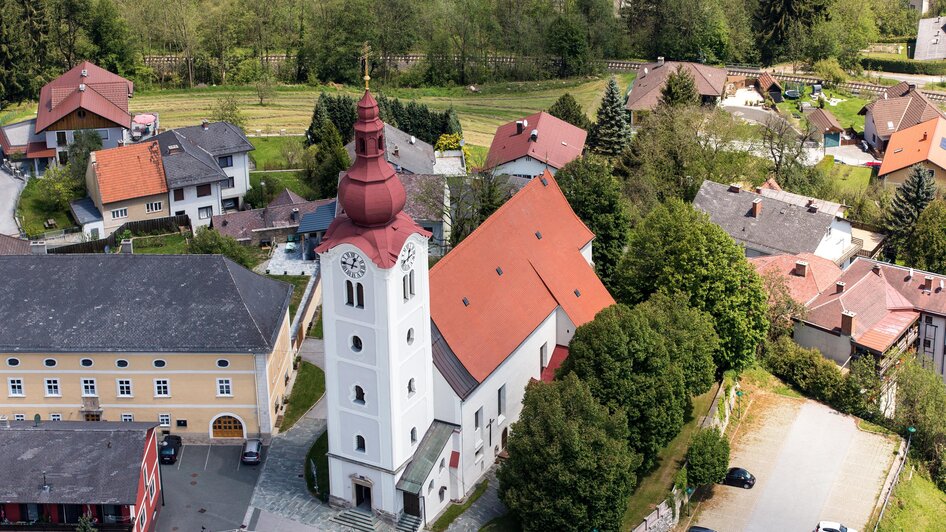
(84, 90)
(534, 144)
(806, 274)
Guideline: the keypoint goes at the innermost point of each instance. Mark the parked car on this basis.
(252, 452)
(170, 449)
(739, 477)
(832, 526)
(698, 528)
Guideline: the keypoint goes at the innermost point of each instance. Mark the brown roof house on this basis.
(899, 107)
(272, 223)
(827, 126)
(651, 77)
(766, 84)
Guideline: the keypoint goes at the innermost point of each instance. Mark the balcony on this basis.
(892, 356)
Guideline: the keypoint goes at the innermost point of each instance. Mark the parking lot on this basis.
(811, 464)
(207, 487)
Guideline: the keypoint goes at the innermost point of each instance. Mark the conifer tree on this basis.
(680, 89)
(908, 203)
(330, 159)
(611, 133)
(568, 109)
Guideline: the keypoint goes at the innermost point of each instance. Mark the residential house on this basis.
(527, 148)
(426, 368)
(827, 126)
(921, 144)
(84, 97)
(898, 107)
(405, 152)
(806, 275)
(275, 222)
(645, 92)
(767, 85)
(195, 181)
(10, 245)
(229, 145)
(195, 343)
(56, 472)
(124, 184)
(769, 226)
(930, 39)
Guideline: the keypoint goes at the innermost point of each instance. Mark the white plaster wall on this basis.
(586, 253)
(441, 477)
(937, 338)
(240, 172)
(191, 204)
(835, 241)
(524, 166)
(870, 131)
(341, 484)
(834, 347)
(115, 134)
(447, 404)
(89, 227)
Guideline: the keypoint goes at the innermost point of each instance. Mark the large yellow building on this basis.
(196, 343)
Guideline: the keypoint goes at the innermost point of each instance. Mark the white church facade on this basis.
(426, 369)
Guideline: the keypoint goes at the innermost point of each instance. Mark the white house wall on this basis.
(439, 477)
(191, 204)
(870, 131)
(524, 167)
(115, 134)
(447, 405)
(240, 172)
(835, 241)
(833, 346)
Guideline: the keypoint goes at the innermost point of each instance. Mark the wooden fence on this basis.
(169, 224)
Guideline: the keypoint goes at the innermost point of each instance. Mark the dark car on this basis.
(170, 449)
(252, 452)
(739, 477)
(700, 529)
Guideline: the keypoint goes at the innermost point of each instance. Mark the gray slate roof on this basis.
(780, 228)
(219, 138)
(425, 457)
(137, 303)
(319, 220)
(415, 158)
(449, 365)
(96, 462)
(85, 211)
(189, 166)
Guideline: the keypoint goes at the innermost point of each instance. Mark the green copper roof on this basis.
(425, 457)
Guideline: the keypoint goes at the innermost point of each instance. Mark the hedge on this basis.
(905, 66)
(894, 39)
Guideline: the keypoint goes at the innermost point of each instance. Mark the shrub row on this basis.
(905, 66)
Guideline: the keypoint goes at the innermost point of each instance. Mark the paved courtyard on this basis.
(207, 487)
(811, 464)
(10, 188)
(289, 263)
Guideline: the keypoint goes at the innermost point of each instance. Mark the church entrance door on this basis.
(411, 504)
(363, 496)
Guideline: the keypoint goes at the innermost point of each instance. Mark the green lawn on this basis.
(316, 330)
(849, 179)
(309, 387)
(171, 244)
(916, 505)
(655, 487)
(269, 155)
(318, 453)
(33, 210)
(845, 111)
(298, 283)
(454, 510)
(276, 182)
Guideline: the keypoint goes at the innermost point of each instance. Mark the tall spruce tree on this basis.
(908, 203)
(330, 159)
(611, 133)
(680, 89)
(568, 109)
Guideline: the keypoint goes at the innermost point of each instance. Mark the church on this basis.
(426, 368)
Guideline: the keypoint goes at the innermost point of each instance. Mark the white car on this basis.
(832, 526)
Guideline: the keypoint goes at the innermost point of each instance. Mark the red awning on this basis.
(559, 354)
(38, 150)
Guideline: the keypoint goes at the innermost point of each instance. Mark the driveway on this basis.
(811, 464)
(758, 115)
(10, 188)
(207, 487)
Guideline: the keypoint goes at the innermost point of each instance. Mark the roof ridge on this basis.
(227, 262)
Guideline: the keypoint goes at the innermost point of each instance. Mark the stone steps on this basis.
(358, 520)
(408, 523)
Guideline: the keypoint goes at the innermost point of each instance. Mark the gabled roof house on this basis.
(923, 144)
(899, 107)
(651, 78)
(526, 148)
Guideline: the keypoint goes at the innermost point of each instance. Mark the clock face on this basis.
(353, 265)
(408, 254)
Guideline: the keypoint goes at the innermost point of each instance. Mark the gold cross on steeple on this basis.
(365, 53)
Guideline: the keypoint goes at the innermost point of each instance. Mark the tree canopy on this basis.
(325, 160)
(707, 458)
(206, 241)
(926, 249)
(679, 89)
(567, 108)
(916, 192)
(677, 247)
(611, 132)
(569, 466)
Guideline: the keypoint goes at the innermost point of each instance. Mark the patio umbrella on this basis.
(145, 119)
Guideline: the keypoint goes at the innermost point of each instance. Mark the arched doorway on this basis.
(226, 426)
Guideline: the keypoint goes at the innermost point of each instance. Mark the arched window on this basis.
(349, 294)
(443, 492)
(410, 336)
(361, 146)
(360, 444)
(360, 293)
(380, 142)
(411, 387)
(413, 435)
(443, 464)
(359, 395)
(430, 487)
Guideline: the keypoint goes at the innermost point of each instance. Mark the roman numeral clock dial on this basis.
(353, 265)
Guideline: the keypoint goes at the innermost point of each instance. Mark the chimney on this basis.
(734, 187)
(38, 247)
(205, 124)
(660, 61)
(395, 151)
(910, 274)
(912, 86)
(127, 247)
(924, 136)
(82, 87)
(758, 190)
(848, 318)
(519, 127)
(756, 207)
(812, 208)
(839, 287)
(295, 215)
(84, 73)
(173, 148)
(876, 268)
(928, 283)
(534, 135)
(801, 268)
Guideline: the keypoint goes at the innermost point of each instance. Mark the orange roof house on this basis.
(129, 172)
(524, 263)
(897, 108)
(924, 143)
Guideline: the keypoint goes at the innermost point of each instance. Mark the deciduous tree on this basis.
(227, 109)
(84, 142)
(782, 307)
(207, 241)
(569, 466)
(707, 458)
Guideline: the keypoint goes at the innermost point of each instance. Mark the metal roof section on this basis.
(425, 457)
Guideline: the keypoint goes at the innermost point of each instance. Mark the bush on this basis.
(905, 66)
(707, 458)
(805, 369)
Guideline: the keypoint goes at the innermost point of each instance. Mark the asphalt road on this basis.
(10, 188)
(207, 487)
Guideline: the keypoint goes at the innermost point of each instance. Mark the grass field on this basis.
(845, 111)
(848, 179)
(318, 453)
(916, 504)
(309, 387)
(33, 210)
(454, 510)
(277, 181)
(298, 283)
(655, 487)
(268, 154)
(172, 244)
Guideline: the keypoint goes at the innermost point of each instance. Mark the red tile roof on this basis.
(557, 144)
(901, 107)
(38, 150)
(766, 81)
(128, 172)
(535, 241)
(559, 354)
(99, 92)
(920, 143)
(241, 224)
(824, 121)
(14, 246)
(822, 273)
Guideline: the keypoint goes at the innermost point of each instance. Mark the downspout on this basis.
(259, 416)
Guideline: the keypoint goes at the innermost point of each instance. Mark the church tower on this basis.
(376, 320)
